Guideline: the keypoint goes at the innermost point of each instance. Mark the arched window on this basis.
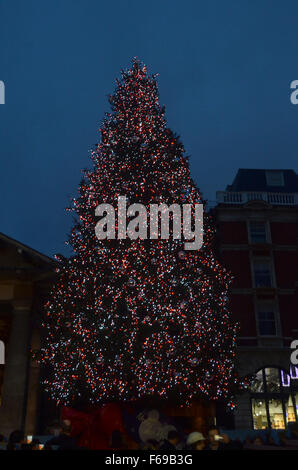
(274, 397)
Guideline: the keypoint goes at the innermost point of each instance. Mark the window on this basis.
(262, 273)
(257, 383)
(276, 413)
(266, 323)
(272, 375)
(275, 178)
(273, 398)
(259, 413)
(258, 233)
(290, 410)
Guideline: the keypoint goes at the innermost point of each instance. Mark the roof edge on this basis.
(12, 241)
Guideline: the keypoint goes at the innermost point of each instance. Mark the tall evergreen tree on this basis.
(130, 319)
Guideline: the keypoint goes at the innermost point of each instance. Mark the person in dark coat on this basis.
(64, 441)
(16, 439)
(171, 442)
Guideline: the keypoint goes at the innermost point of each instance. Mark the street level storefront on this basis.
(274, 398)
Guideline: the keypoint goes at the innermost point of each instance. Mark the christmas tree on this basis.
(129, 319)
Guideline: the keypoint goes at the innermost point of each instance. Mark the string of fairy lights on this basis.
(128, 319)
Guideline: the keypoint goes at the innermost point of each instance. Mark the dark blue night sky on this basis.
(224, 67)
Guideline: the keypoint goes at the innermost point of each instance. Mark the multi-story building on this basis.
(257, 221)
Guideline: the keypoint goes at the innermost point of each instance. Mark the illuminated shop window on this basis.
(259, 412)
(276, 413)
(274, 398)
(290, 409)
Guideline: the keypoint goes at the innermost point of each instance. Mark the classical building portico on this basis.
(25, 279)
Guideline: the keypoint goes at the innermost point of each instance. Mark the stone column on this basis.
(15, 373)
(33, 389)
(243, 416)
